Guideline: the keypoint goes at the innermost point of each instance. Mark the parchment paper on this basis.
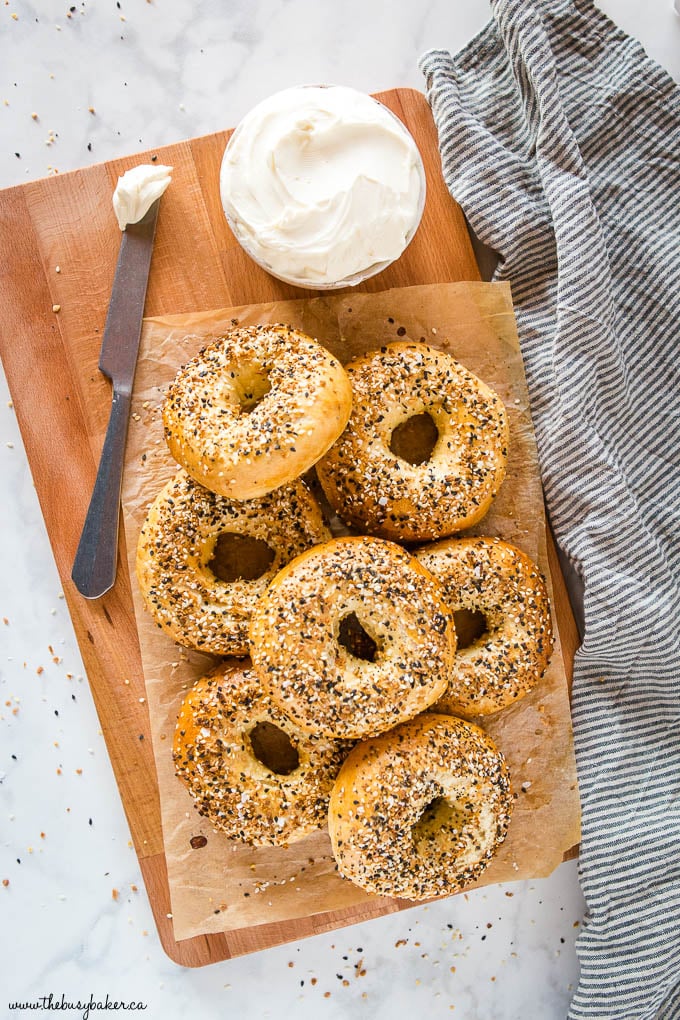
(221, 885)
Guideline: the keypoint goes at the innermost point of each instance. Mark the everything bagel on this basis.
(352, 637)
(420, 811)
(250, 771)
(503, 588)
(376, 488)
(186, 526)
(255, 409)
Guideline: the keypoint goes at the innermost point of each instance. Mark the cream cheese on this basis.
(137, 190)
(322, 184)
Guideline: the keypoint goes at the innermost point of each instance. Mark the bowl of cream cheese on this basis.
(322, 185)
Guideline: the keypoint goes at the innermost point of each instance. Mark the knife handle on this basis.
(94, 568)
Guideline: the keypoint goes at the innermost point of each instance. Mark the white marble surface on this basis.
(81, 84)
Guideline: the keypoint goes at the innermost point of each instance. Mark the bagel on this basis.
(420, 811)
(250, 771)
(255, 409)
(186, 526)
(422, 494)
(352, 637)
(504, 591)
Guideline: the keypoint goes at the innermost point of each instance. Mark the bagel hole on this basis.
(240, 557)
(273, 749)
(251, 387)
(355, 640)
(414, 439)
(439, 814)
(470, 625)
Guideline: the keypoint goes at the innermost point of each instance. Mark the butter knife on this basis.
(94, 567)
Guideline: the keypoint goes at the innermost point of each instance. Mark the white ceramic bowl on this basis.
(244, 232)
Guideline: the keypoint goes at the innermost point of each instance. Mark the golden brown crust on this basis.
(255, 409)
(215, 758)
(374, 490)
(420, 811)
(176, 545)
(310, 674)
(500, 582)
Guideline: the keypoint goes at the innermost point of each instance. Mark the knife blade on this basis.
(94, 566)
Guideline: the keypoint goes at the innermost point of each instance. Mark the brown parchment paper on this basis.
(223, 886)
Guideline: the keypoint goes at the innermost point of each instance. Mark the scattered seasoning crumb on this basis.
(40, 670)
(5, 882)
(56, 308)
(134, 888)
(114, 894)
(90, 109)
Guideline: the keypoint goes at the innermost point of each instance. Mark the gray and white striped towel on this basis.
(560, 139)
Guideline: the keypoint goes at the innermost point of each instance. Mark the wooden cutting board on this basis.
(60, 244)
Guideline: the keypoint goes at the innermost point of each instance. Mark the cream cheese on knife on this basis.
(137, 190)
(320, 183)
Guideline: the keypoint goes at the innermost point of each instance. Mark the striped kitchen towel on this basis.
(560, 139)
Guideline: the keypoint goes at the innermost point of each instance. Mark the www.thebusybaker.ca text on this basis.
(84, 1007)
